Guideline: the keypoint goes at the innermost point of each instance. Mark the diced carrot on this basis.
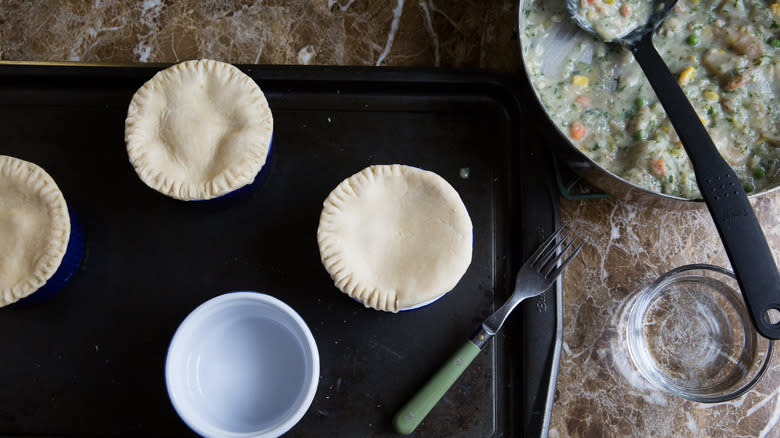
(657, 167)
(584, 100)
(577, 130)
(591, 2)
(625, 10)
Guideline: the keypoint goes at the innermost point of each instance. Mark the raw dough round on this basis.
(395, 237)
(34, 228)
(198, 130)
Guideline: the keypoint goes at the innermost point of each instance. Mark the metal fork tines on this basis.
(538, 273)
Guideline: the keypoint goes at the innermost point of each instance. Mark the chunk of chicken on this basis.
(733, 8)
(734, 154)
(741, 40)
(719, 62)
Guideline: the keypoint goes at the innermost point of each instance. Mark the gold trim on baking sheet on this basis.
(85, 64)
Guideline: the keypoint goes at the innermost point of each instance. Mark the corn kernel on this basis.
(704, 120)
(686, 76)
(711, 96)
(580, 80)
(609, 2)
(775, 9)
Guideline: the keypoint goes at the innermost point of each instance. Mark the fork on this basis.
(536, 275)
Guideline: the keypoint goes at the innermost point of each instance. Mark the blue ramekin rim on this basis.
(68, 266)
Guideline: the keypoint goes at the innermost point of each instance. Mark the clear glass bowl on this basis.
(690, 334)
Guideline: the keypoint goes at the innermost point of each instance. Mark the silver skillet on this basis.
(558, 42)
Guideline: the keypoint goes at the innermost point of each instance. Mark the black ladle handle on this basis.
(723, 193)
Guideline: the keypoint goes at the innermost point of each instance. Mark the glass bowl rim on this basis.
(645, 295)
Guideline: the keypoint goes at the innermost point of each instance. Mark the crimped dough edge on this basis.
(237, 175)
(38, 181)
(331, 256)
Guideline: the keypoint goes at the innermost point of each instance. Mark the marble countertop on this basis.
(629, 244)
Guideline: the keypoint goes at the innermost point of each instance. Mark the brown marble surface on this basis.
(597, 394)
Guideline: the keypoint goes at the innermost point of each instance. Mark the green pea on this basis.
(640, 101)
(748, 188)
(758, 172)
(692, 40)
(774, 42)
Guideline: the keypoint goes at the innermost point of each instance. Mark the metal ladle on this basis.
(740, 232)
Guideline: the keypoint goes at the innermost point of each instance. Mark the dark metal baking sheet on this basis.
(89, 361)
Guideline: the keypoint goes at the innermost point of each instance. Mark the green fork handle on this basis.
(413, 412)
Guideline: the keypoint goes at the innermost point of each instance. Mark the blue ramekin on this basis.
(70, 263)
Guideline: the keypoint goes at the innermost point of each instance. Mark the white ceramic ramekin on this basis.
(243, 364)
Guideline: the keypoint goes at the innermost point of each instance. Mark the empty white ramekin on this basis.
(243, 364)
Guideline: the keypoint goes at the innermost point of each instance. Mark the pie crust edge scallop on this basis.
(237, 175)
(34, 177)
(330, 252)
